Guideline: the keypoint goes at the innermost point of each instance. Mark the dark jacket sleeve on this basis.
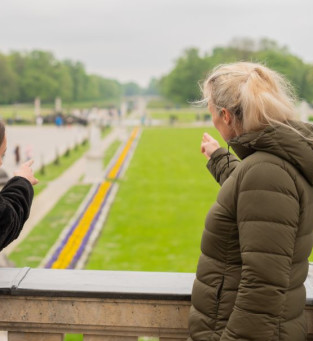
(15, 202)
(268, 217)
(221, 164)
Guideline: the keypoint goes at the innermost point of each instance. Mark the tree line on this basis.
(27, 75)
(181, 84)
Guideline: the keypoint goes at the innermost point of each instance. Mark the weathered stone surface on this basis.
(101, 305)
(20, 336)
(109, 338)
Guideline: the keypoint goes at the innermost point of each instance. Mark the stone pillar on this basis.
(93, 173)
(141, 110)
(141, 105)
(123, 109)
(58, 105)
(37, 107)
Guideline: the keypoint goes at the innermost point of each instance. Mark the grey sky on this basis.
(138, 39)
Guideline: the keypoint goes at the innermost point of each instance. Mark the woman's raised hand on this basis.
(26, 172)
(208, 145)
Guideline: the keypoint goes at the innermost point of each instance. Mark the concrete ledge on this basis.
(102, 305)
(94, 283)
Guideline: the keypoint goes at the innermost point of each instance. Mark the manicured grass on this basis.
(26, 111)
(105, 131)
(160, 103)
(21, 111)
(53, 170)
(110, 152)
(157, 218)
(34, 248)
(73, 337)
(179, 116)
(90, 104)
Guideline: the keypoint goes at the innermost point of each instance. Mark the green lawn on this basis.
(181, 115)
(26, 111)
(34, 248)
(105, 131)
(109, 153)
(73, 337)
(21, 111)
(157, 219)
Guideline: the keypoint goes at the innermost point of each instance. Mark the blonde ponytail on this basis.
(255, 95)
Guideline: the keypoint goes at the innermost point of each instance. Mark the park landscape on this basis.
(158, 211)
(151, 163)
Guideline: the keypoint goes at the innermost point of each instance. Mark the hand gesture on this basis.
(208, 145)
(26, 172)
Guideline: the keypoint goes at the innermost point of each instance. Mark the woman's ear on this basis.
(226, 116)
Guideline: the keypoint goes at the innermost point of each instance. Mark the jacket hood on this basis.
(283, 142)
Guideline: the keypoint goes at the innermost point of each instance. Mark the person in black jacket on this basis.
(15, 197)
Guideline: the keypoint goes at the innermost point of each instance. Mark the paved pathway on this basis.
(46, 200)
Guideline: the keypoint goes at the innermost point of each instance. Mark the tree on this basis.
(8, 82)
(153, 87)
(131, 89)
(26, 75)
(79, 79)
(307, 86)
(110, 89)
(64, 81)
(181, 84)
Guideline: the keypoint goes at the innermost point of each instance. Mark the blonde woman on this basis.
(258, 234)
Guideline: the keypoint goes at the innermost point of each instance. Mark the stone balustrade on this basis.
(43, 305)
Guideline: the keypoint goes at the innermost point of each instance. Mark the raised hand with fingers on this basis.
(208, 145)
(26, 172)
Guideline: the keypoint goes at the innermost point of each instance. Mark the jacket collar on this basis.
(283, 142)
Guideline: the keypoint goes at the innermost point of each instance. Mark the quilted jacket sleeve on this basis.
(15, 202)
(219, 165)
(268, 218)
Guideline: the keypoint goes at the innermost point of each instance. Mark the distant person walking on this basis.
(258, 234)
(15, 197)
(59, 121)
(17, 154)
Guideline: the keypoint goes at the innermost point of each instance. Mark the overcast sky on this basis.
(139, 39)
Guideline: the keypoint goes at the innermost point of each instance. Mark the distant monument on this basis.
(94, 157)
(123, 109)
(37, 107)
(141, 104)
(58, 105)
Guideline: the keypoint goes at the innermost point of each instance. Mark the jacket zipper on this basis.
(218, 294)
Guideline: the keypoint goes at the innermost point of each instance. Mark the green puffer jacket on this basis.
(256, 241)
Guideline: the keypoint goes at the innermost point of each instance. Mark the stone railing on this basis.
(43, 305)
